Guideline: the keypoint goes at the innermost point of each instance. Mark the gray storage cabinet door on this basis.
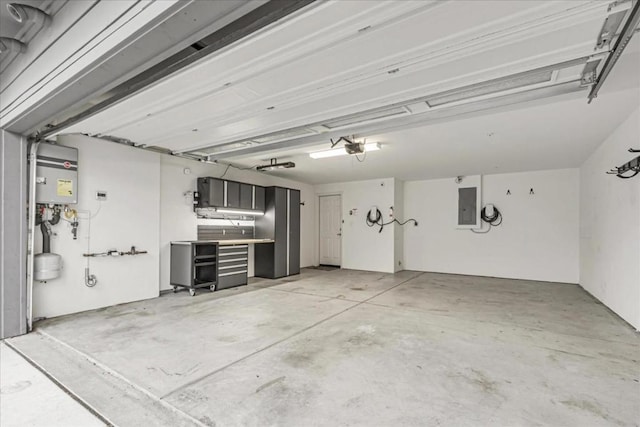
(271, 258)
(246, 196)
(233, 194)
(294, 231)
(211, 191)
(259, 200)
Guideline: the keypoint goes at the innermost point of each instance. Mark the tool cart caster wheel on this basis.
(212, 287)
(175, 289)
(192, 292)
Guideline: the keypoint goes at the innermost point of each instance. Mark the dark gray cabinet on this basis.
(233, 194)
(281, 222)
(211, 192)
(258, 198)
(193, 265)
(246, 196)
(220, 193)
(294, 232)
(233, 261)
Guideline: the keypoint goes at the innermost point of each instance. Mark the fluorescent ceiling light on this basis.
(238, 212)
(342, 151)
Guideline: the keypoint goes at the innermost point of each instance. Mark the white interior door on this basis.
(330, 230)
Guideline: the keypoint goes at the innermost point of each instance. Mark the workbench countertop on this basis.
(224, 242)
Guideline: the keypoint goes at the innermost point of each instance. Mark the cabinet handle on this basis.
(232, 266)
(232, 253)
(232, 273)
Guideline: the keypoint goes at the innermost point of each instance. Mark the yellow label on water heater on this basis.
(65, 187)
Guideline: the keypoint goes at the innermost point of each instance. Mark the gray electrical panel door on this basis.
(467, 206)
(56, 174)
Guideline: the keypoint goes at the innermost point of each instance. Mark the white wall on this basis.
(130, 216)
(398, 236)
(363, 247)
(179, 222)
(146, 207)
(537, 240)
(610, 225)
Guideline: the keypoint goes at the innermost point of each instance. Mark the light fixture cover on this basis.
(238, 211)
(342, 151)
(273, 166)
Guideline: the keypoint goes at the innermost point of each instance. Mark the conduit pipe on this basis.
(33, 153)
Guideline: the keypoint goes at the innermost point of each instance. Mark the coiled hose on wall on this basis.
(493, 220)
(375, 218)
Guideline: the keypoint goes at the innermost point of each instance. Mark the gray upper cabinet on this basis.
(211, 191)
(233, 194)
(246, 196)
(219, 193)
(259, 198)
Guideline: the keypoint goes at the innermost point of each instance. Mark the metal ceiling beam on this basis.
(623, 40)
(247, 24)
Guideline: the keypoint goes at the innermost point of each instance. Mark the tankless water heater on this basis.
(56, 174)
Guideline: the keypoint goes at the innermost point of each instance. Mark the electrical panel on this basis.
(469, 202)
(467, 208)
(56, 175)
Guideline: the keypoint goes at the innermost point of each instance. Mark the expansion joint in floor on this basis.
(120, 377)
(235, 362)
(59, 384)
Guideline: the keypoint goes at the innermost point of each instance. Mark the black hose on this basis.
(45, 227)
(375, 221)
(495, 219)
(378, 220)
(46, 237)
(56, 217)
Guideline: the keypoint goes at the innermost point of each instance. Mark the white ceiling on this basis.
(339, 58)
(545, 136)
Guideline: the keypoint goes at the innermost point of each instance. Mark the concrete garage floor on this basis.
(351, 348)
(29, 398)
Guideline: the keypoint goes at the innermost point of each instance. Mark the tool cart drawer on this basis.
(233, 262)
